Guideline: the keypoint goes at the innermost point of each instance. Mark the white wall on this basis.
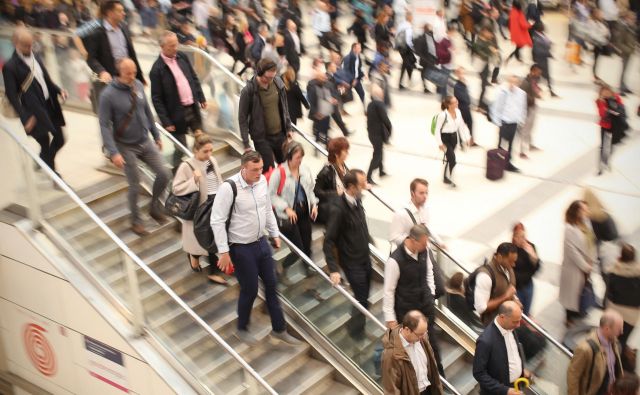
(33, 292)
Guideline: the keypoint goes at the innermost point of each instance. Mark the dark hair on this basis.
(265, 65)
(456, 281)
(351, 178)
(571, 215)
(627, 253)
(335, 147)
(250, 156)
(517, 5)
(108, 5)
(626, 385)
(506, 248)
(534, 67)
(418, 231)
(416, 181)
(446, 102)
(354, 45)
(412, 319)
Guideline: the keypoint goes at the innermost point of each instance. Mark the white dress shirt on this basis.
(200, 11)
(356, 67)
(117, 41)
(321, 22)
(510, 106)
(401, 223)
(408, 29)
(445, 123)
(515, 362)
(38, 74)
(296, 41)
(250, 216)
(391, 277)
(482, 291)
(419, 361)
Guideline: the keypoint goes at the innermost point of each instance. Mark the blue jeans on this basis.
(250, 262)
(525, 294)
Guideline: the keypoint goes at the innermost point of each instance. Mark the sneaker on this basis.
(246, 337)
(285, 337)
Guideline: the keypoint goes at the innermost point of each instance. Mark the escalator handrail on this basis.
(134, 258)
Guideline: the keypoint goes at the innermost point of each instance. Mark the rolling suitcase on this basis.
(497, 160)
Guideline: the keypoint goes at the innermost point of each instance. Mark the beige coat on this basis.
(183, 184)
(579, 258)
(580, 365)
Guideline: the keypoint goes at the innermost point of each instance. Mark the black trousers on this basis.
(507, 132)
(299, 234)
(467, 118)
(359, 276)
(626, 331)
(193, 122)
(376, 160)
(408, 64)
(544, 66)
(450, 141)
(337, 117)
(484, 77)
(321, 130)
(516, 53)
(270, 148)
(50, 143)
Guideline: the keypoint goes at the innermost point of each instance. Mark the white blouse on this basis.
(445, 123)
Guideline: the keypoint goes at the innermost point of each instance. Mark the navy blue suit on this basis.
(349, 69)
(490, 362)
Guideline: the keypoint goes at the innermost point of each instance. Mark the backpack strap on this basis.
(594, 351)
(234, 189)
(491, 274)
(413, 219)
(283, 177)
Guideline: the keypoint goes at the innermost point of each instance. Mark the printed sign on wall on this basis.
(424, 11)
(106, 364)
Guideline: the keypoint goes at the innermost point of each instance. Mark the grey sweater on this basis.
(115, 102)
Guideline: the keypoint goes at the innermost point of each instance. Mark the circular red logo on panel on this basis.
(39, 349)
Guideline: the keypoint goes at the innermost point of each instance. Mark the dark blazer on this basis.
(349, 66)
(48, 113)
(295, 100)
(256, 50)
(420, 46)
(99, 53)
(378, 123)
(490, 362)
(164, 92)
(290, 53)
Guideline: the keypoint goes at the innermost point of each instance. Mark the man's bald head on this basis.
(127, 71)
(23, 41)
(611, 324)
(509, 315)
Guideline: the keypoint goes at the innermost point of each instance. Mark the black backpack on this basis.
(470, 283)
(202, 221)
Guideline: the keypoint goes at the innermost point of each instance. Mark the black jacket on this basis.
(490, 362)
(461, 92)
(524, 269)
(427, 59)
(346, 232)
(32, 102)
(295, 100)
(164, 92)
(412, 291)
(541, 51)
(290, 53)
(623, 285)
(325, 191)
(99, 56)
(251, 115)
(313, 88)
(349, 66)
(378, 124)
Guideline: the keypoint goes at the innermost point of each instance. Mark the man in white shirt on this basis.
(409, 283)
(408, 363)
(239, 219)
(509, 111)
(498, 361)
(414, 212)
(495, 282)
(406, 48)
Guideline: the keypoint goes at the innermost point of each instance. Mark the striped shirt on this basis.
(212, 180)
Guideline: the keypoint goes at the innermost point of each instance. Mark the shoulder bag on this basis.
(184, 206)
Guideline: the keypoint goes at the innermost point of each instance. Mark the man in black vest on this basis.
(406, 284)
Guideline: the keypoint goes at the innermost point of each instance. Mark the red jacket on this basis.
(605, 121)
(519, 28)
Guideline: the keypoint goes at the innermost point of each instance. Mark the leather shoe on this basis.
(159, 217)
(139, 229)
(513, 169)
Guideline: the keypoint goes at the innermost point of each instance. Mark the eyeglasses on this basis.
(420, 336)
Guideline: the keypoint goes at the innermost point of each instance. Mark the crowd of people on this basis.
(274, 191)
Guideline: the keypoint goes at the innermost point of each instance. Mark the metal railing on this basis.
(130, 259)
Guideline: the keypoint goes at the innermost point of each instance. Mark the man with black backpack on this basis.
(241, 213)
(493, 283)
(596, 365)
